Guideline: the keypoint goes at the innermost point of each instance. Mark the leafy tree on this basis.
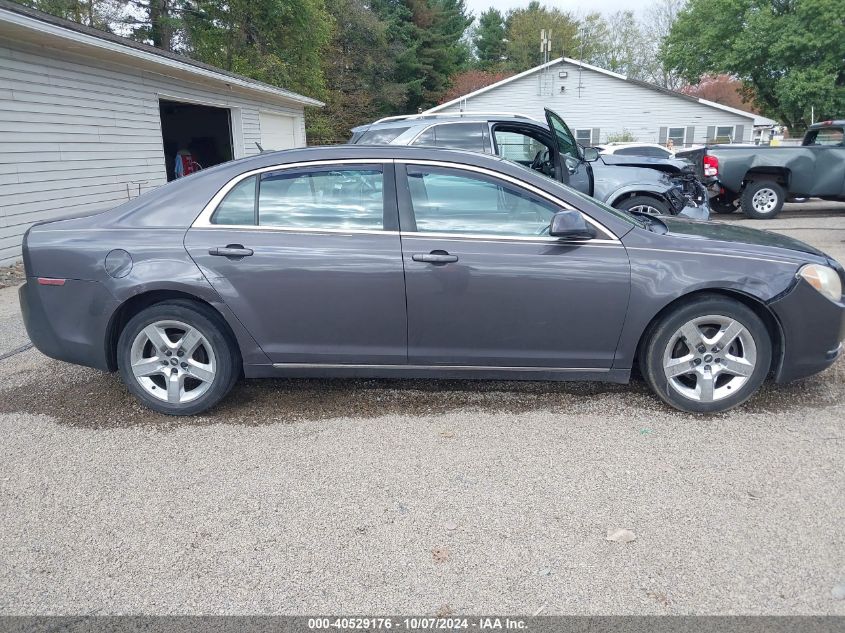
(722, 89)
(471, 80)
(523, 35)
(621, 47)
(788, 53)
(95, 13)
(360, 73)
(280, 42)
(658, 20)
(489, 39)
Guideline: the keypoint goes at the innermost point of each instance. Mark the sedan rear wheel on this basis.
(708, 356)
(176, 358)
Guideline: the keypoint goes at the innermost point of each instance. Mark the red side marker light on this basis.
(49, 281)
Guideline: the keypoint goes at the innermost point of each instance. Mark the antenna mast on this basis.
(545, 87)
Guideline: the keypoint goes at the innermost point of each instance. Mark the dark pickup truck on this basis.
(759, 180)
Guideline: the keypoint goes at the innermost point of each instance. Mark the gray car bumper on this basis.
(86, 308)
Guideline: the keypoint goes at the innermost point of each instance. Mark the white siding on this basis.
(80, 134)
(610, 104)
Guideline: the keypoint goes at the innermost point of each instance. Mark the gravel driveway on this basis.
(410, 497)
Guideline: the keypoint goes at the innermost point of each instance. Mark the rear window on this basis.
(825, 136)
(381, 136)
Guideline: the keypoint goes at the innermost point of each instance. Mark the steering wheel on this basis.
(540, 160)
(544, 230)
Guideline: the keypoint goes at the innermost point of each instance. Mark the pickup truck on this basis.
(759, 180)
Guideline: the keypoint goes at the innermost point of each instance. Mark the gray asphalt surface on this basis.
(410, 497)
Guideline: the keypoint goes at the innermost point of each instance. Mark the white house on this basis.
(89, 119)
(599, 105)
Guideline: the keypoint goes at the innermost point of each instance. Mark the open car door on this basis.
(570, 154)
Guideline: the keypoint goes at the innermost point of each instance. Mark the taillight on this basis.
(711, 165)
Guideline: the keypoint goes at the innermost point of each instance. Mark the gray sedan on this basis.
(420, 262)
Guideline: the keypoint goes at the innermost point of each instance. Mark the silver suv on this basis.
(633, 183)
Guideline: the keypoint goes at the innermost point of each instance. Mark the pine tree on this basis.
(489, 40)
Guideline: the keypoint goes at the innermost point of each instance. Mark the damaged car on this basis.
(759, 180)
(644, 184)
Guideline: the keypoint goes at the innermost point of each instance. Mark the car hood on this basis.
(669, 165)
(722, 232)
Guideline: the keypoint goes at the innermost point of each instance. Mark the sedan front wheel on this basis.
(176, 358)
(708, 356)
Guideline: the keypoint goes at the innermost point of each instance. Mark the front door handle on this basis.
(230, 250)
(435, 257)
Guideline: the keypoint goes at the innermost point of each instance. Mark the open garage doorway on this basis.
(200, 135)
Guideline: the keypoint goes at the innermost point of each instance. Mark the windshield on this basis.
(622, 215)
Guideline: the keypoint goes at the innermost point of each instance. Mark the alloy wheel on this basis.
(173, 361)
(764, 200)
(645, 208)
(709, 358)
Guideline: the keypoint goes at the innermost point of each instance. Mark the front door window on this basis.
(450, 201)
(566, 142)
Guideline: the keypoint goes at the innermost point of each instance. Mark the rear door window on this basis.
(468, 136)
(328, 198)
(238, 207)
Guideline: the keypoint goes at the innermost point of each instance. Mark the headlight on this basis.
(824, 279)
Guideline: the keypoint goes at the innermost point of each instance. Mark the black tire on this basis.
(663, 333)
(777, 196)
(722, 207)
(626, 204)
(211, 326)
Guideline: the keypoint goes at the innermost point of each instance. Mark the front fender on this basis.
(613, 181)
(666, 268)
(614, 196)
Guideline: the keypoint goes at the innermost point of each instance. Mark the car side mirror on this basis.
(591, 154)
(569, 224)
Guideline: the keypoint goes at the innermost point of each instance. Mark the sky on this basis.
(580, 6)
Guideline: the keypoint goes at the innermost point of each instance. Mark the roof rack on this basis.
(424, 115)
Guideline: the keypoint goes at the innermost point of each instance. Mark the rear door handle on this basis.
(435, 257)
(230, 250)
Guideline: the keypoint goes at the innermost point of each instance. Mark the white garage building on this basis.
(600, 105)
(89, 119)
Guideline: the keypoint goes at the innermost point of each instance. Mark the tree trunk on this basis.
(160, 28)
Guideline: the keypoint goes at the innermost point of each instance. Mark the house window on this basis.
(725, 133)
(584, 137)
(677, 135)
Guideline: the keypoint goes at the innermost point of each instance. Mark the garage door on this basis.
(277, 131)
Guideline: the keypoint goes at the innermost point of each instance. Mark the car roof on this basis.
(823, 124)
(426, 120)
(178, 203)
(632, 144)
